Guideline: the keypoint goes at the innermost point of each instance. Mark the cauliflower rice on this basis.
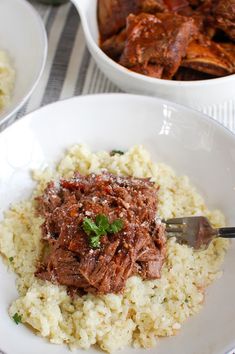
(7, 79)
(147, 309)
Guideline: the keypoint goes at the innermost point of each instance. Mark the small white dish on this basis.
(23, 37)
(196, 94)
(193, 144)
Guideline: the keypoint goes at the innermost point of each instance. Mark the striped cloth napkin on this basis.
(71, 71)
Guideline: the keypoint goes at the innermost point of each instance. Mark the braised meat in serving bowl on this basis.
(170, 39)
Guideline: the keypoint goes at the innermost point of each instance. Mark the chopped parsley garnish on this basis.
(116, 226)
(95, 241)
(17, 318)
(100, 227)
(116, 152)
(11, 259)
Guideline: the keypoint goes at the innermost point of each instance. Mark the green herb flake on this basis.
(116, 152)
(95, 241)
(100, 227)
(116, 226)
(89, 227)
(17, 318)
(11, 259)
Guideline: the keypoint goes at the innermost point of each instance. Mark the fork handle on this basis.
(226, 232)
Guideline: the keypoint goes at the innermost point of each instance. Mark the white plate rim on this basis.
(178, 106)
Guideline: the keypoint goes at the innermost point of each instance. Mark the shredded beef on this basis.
(159, 38)
(224, 16)
(114, 45)
(157, 42)
(139, 248)
(112, 13)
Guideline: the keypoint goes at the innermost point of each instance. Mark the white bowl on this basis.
(23, 36)
(196, 94)
(191, 143)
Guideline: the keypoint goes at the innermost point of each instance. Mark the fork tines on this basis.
(175, 225)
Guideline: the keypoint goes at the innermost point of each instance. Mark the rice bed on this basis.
(147, 309)
(7, 80)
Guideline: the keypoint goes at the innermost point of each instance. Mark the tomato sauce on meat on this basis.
(138, 247)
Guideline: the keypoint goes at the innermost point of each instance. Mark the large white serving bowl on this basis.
(196, 94)
(23, 37)
(191, 143)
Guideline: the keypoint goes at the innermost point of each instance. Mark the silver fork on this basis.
(196, 231)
